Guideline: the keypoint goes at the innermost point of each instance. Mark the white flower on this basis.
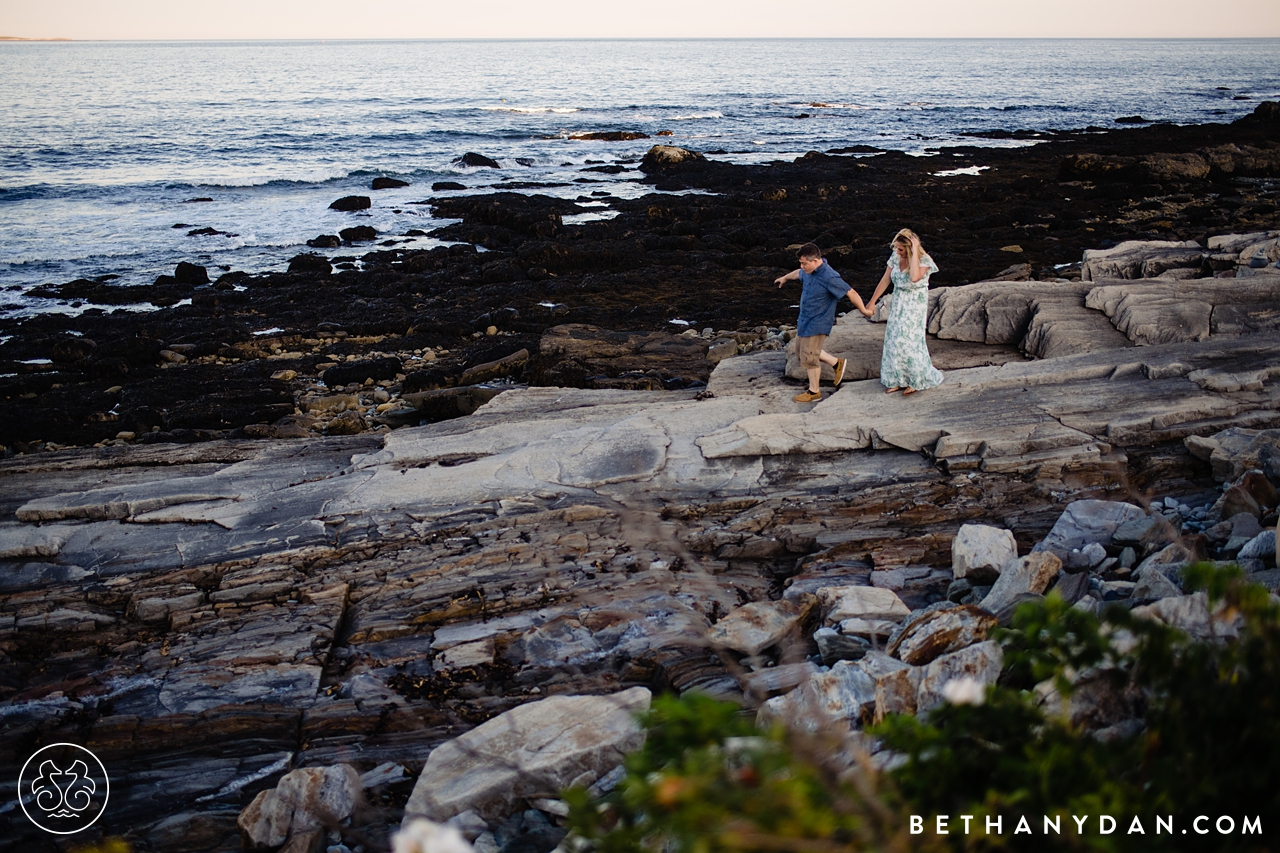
(423, 836)
(964, 691)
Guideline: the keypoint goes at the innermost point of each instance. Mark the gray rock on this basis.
(305, 800)
(981, 662)
(1032, 573)
(755, 627)
(979, 552)
(845, 695)
(1128, 558)
(834, 646)
(530, 751)
(1260, 547)
(1190, 614)
(1086, 522)
(1153, 584)
(939, 630)
(862, 602)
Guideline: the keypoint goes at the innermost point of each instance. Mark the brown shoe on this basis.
(840, 366)
(808, 397)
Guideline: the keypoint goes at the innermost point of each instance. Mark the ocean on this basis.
(124, 158)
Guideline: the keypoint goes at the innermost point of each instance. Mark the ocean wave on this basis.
(693, 116)
(531, 110)
(825, 105)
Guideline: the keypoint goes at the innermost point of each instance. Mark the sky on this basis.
(421, 19)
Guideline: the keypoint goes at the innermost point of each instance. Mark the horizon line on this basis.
(630, 38)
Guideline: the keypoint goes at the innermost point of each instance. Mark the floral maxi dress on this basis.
(906, 363)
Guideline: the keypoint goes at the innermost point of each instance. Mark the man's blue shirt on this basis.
(821, 292)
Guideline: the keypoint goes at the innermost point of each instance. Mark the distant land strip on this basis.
(20, 38)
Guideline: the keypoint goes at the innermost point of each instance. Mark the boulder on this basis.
(1087, 521)
(1153, 584)
(835, 646)
(476, 161)
(186, 273)
(305, 800)
(759, 625)
(310, 264)
(982, 662)
(845, 696)
(70, 349)
(979, 552)
(351, 203)
(1189, 614)
(896, 684)
(1032, 573)
(662, 158)
(1237, 500)
(440, 186)
(1260, 547)
(325, 241)
(358, 234)
(1236, 450)
(533, 750)
(940, 629)
(388, 183)
(862, 602)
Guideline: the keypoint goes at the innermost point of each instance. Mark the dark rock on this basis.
(446, 185)
(1072, 587)
(358, 234)
(325, 241)
(611, 135)
(388, 183)
(1261, 490)
(477, 161)
(358, 371)
(71, 349)
(1133, 120)
(347, 423)
(1238, 499)
(664, 158)
(186, 273)
(352, 202)
(316, 264)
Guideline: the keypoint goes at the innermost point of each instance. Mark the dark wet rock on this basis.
(71, 349)
(439, 186)
(358, 234)
(352, 202)
(661, 158)
(388, 183)
(325, 241)
(187, 273)
(1133, 120)
(308, 263)
(358, 371)
(477, 161)
(610, 135)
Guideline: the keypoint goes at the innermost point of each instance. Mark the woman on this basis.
(906, 363)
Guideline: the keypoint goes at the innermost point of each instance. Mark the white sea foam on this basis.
(967, 170)
(531, 110)
(693, 116)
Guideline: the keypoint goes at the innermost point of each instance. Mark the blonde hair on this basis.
(904, 236)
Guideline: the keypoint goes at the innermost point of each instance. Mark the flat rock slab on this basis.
(1019, 417)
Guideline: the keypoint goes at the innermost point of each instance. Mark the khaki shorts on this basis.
(809, 349)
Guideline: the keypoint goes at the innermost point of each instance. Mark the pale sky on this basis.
(378, 19)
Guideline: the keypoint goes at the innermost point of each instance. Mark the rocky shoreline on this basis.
(458, 495)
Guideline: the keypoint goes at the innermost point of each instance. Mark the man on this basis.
(821, 289)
